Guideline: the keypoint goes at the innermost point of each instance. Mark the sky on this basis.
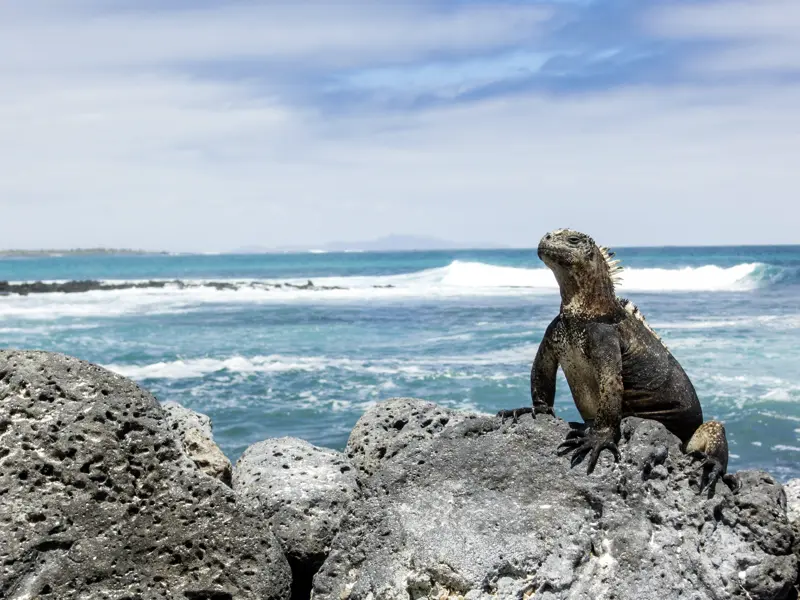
(201, 125)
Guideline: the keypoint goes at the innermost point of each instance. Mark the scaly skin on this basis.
(615, 365)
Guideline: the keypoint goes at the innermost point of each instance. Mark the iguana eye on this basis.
(574, 240)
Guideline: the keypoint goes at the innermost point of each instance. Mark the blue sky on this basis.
(203, 125)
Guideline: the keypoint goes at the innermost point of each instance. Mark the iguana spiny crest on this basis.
(614, 268)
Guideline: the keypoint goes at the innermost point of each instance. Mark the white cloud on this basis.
(324, 33)
(757, 36)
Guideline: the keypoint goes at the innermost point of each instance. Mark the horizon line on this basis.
(10, 253)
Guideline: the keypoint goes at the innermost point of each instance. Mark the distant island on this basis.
(75, 252)
(390, 243)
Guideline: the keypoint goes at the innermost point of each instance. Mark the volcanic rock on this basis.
(487, 509)
(97, 500)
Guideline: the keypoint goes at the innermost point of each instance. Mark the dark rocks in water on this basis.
(197, 441)
(390, 426)
(309, 285)
(303, 492)
(98, 501)
(305, 286)
(75, 287)
(486, 509)
(90, 285)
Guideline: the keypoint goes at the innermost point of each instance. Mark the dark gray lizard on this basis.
(615, 364)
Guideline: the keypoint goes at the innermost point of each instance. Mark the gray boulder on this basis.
(98, 502)
(197, 441)
(486, 509)
(390, 426)
(303, 492)
(792, 489)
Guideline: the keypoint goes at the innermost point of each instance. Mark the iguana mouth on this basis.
(549, 251)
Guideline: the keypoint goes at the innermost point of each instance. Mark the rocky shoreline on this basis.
(105, 493)
(90, 285)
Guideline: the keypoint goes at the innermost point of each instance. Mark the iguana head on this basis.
(586, 273)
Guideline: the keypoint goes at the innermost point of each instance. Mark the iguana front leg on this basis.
(543, 378)
(603, 433)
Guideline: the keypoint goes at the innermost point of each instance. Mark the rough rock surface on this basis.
(388, 427)
(792, 488)
(194, 433)
(303, 491)
(488, 510)
(98, 502)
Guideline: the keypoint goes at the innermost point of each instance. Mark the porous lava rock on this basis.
(197, 441)
(792, 488)
(303, 492)
(390, 426)
(487, 509)
(97, 501)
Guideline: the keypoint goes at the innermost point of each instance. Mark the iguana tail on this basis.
(710, 439)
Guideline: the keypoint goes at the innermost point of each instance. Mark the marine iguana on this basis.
(615, 364)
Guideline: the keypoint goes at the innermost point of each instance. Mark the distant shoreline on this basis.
(78, 252)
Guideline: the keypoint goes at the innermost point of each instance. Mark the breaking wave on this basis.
(277, 363)
(458, 279)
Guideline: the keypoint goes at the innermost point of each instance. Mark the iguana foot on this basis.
(589, 441)
(543, 409)
(713, 471)
(514, 413)
(537, 409)
(577, 430)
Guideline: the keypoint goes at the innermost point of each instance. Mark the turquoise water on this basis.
(459, 328)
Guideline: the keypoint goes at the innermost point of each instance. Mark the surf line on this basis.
(89, 285)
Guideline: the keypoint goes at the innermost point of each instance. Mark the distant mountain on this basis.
(389, 243)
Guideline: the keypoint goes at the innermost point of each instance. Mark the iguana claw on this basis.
(713, 472)
(537, 409)
(589, 441)
(514, 413)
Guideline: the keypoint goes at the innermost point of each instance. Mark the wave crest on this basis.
(458, 279)
(479, 276)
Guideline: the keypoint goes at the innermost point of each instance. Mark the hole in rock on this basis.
(207, 595)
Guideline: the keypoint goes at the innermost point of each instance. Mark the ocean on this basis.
(459, 328)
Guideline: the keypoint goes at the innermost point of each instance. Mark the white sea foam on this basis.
(443, 366)
(785, 448)
(782, 322)
(708, 278)
(463, 277)
(745, 390)
(458, 279)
